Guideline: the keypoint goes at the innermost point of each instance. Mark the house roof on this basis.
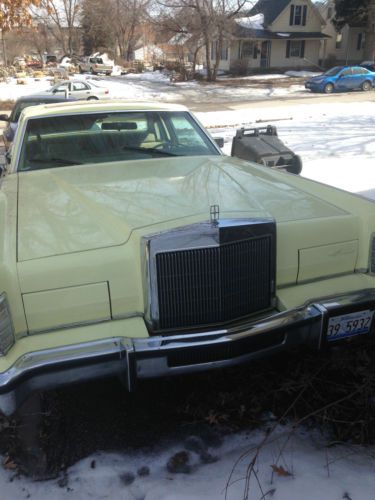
(242, 32)
(271, 9)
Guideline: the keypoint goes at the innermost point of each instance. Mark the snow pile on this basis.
(288, 467)
(302, 74)
(149, 76)
(12, 91)
(253, 22)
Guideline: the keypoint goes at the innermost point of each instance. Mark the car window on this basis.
(346, 72)
(80, 86)
(333, 71)
(52, 142)
(62, 88)
(359, 71)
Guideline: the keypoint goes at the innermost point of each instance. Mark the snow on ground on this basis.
(337, 145)
(12, 91)
(289, 467)
(333, 140)
(302, 74)
(156, 85)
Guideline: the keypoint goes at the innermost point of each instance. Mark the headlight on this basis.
(6, 326)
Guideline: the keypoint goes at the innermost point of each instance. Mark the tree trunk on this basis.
(208, 59)
(195, 57)
(219, 47)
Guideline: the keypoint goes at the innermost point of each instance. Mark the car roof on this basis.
(78, 107)
(44, 97)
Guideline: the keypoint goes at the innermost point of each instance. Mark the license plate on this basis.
(349, 325)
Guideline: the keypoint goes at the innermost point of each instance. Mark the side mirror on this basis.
(219, 141)
(4, 118)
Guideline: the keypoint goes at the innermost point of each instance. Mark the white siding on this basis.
(313, 19)
(279, 59)
(347, 52)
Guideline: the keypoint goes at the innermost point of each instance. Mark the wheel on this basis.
(296, 165)
(80, 69)
(92, 71)
(329, 88)
(92, 98)
(366, 86)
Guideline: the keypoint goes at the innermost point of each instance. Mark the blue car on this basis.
(342, 78)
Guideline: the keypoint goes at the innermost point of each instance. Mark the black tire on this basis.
(366, 86)
(296, 166)
(329, 88)
(92, 98)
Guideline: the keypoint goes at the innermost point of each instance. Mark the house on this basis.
(344, 47)
(276, 34)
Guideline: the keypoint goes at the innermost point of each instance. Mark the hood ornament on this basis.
(214, 214)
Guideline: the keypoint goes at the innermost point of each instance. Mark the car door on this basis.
(345, 80)
(80, 90)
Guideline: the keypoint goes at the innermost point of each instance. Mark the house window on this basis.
(224, 51)
(248, 50)
(298, 14)
(338, 40)
(295, 48)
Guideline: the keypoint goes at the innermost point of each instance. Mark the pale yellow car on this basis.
(131, 246)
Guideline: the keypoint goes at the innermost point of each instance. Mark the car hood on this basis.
(316, 79)
(73, 209)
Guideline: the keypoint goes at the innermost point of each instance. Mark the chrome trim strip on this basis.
(147, 357)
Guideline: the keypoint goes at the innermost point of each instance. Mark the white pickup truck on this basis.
(94, 65)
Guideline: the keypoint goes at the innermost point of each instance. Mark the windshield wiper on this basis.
(149, 150)
(61, 161)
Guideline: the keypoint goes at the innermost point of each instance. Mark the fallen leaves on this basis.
(280, 471)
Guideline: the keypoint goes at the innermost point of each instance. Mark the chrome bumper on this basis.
(133, 359)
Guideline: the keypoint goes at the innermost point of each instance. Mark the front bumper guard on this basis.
(132, 358)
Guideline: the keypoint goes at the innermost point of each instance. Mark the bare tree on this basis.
(180, 26)
(62, 18)
(211, 21)
(113, 23)
(97, 25)
(128, 16)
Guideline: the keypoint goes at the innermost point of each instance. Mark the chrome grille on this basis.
(203, 286)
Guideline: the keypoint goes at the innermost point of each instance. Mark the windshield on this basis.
(333, 71)
(108, 137)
